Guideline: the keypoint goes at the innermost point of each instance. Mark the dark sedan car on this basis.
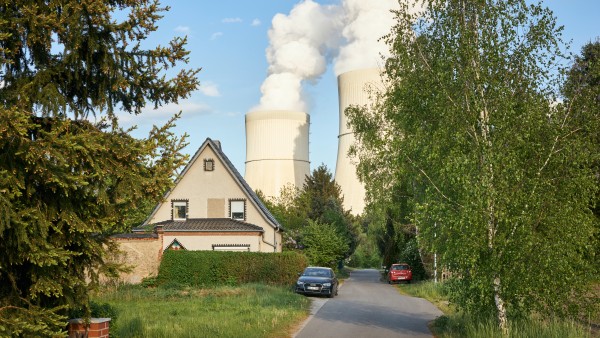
(317, 281)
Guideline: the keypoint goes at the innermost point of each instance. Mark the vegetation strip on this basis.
(455, 323)
(252, 310)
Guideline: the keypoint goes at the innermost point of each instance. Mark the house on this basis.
(210, 207)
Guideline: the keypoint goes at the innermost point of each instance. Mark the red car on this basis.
(399, 272)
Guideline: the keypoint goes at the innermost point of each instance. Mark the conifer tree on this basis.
(70, 176)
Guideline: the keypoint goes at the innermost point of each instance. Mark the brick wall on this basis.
(97, 328)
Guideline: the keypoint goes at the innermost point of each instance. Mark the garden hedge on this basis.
(207, 268)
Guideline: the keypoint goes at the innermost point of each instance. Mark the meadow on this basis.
(251, 310)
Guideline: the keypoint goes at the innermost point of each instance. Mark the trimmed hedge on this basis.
(207, 268)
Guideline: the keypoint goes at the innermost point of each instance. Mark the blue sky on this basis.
(228, 39)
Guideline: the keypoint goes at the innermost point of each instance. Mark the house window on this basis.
(231, 247)
(209, 164)
(180, 210)
(237, 209)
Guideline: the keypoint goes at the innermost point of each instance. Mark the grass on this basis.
(462, 325)
(242, 311)
(431, 291)
(454, 324)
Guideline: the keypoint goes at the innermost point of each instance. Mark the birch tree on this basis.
(499, 168)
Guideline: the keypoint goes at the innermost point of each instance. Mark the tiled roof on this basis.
(209, 224)
(135, 235)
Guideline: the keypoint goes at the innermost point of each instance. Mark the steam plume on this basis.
(365, 22)
(300, 45)
(303, 42)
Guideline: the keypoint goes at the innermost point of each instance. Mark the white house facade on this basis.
(211, 207)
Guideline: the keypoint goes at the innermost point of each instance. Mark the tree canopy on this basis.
(318, 202)
(497, 169)
(582, 95)
(323, 244)
(70, 176)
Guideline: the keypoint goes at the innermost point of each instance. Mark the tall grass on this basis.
(246, 311)
(433, 292)
(455, 324)
(461, 325)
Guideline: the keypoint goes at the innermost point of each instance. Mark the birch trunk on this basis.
(484, 117)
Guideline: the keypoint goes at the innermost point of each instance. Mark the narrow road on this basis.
(367, 307)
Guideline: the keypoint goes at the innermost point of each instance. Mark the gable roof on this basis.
(209, 225)
(178, 244)
(216, 147)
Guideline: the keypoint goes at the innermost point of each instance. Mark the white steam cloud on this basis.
(301, 45)
(365, 23)
(311, 36)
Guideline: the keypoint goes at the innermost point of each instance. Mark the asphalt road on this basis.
(367, 307)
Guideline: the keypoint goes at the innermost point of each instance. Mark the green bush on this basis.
(149, 282)
(323, 244)
(207, 268)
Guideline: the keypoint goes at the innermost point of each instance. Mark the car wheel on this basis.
(389, 281)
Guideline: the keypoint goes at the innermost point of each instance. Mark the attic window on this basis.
(179, 210)
(209, 164)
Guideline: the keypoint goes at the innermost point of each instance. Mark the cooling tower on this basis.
(276, 150)
(353, 90)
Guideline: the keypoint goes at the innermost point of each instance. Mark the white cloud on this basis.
(233, 114)
(231, 20)
(183, 29)
(300, 45)
(209, 89)
(216, 35)
(159, 116)
(256, 22)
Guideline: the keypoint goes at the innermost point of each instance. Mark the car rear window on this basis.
(399, 267)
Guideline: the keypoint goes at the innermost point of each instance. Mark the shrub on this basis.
(323, 244)
(149, 282)
(207, 268)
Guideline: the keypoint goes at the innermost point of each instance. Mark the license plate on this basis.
(313, 288)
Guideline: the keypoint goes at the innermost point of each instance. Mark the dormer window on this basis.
(180, 210)
(237, 209)
(209, 164)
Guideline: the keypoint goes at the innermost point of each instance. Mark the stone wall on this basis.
(141, 253)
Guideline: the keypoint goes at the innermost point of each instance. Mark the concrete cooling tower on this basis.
(353, 90)
(276, 150)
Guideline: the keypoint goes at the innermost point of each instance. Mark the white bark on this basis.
(502, 320)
